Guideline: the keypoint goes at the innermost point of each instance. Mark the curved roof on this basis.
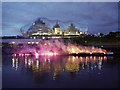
(38, 25)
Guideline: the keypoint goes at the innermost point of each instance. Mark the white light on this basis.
(33, 23)
(29, 42)
(36, 55)
(32, 42)
(55, 53)
(37, 42)
(29, 62)
(37, 63)
(13, 42)
(43, 37)
(13, 62)
(34, 37)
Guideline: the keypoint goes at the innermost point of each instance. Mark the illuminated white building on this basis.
(39, 29)
(72, 30)
(57, 30)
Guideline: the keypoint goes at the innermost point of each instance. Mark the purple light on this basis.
(55, 47)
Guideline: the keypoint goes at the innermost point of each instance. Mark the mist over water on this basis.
(55, 47)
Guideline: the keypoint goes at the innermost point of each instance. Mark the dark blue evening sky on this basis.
(99, 17)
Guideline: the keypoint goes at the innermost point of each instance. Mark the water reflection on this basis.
(57, 64)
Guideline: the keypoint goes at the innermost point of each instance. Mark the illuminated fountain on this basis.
(55, 47)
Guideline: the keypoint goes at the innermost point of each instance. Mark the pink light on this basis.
(90, 52)
(19, 54)
(56, 47)
(14, 54)
(42, 54)
(55, 53)
(26, 54)
(45, 44)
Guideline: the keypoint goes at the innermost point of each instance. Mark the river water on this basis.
(60, 71)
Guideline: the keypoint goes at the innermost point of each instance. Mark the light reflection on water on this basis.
(57, 64)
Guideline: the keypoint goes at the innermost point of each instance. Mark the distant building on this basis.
(57, 30)
(72, 30)
(39, 29)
